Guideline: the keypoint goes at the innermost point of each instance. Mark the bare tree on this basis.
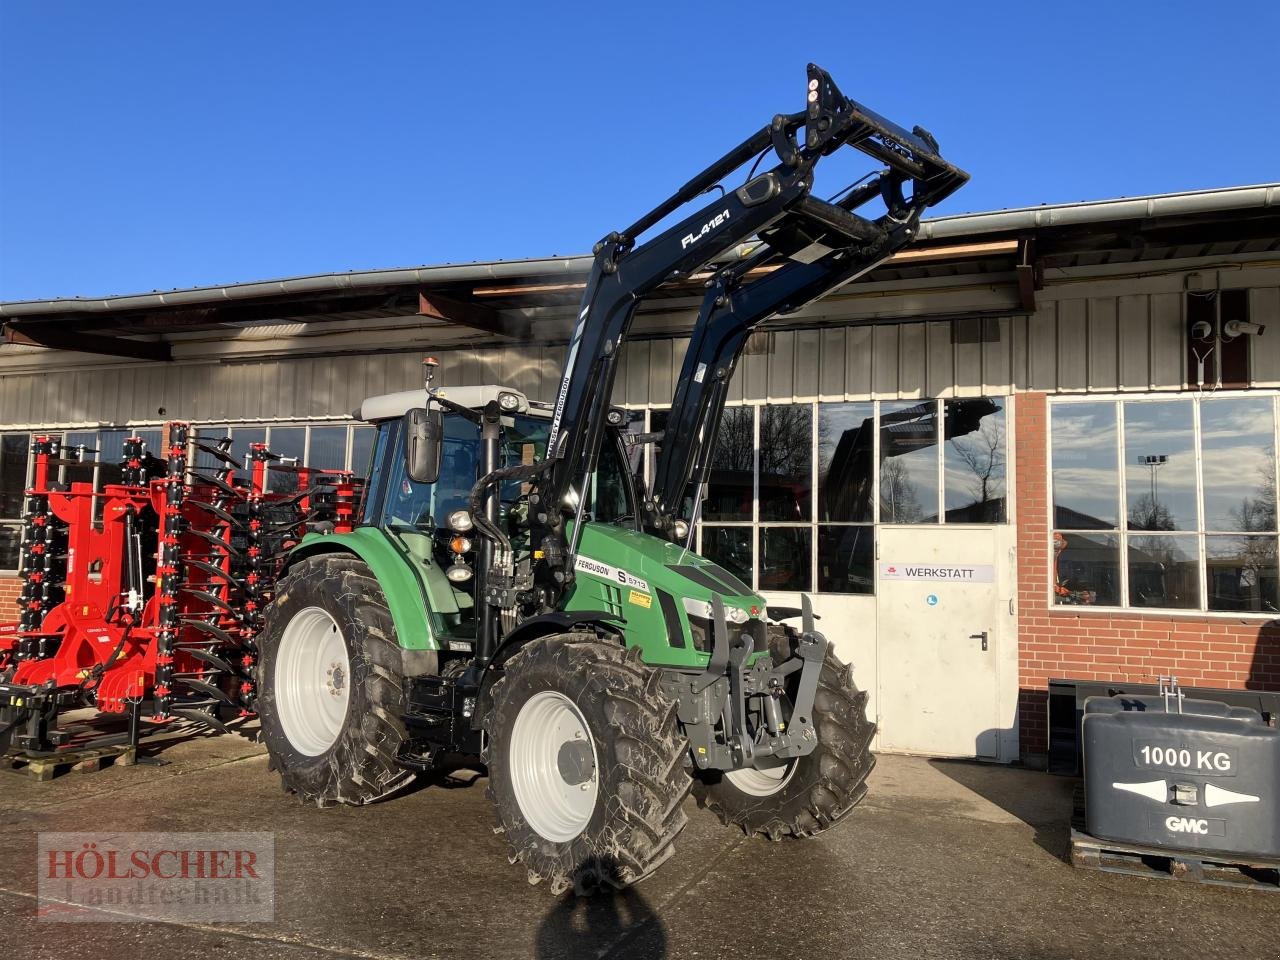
(1257, 514)
(983, 452)
(1149, 513)
(785, 442)
(735, 442)
(898, 500)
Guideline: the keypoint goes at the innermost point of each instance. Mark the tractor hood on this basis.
(662, 591)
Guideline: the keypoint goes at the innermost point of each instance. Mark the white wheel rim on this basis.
(554, 768)
(761, 783)
(312, 681)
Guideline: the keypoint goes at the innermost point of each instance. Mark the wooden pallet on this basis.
(47, 766)
(1112, 856)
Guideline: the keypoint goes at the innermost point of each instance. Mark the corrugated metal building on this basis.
(892, 449)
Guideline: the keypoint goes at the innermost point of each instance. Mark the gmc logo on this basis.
(1196, 826)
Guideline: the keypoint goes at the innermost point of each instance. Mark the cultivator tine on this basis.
(212, 659)
(297, 497)
(216, 452)
(210, 569)
(216, 632)
(806, 612)
(215, 540)
(219, 483)
(209, 598)
(215, 510)
(200, 686)
(202, 717)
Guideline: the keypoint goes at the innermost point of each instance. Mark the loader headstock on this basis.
(832, 120)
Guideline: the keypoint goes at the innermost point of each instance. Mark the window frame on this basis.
(815, 524)
(16, 523)
(1122, 532)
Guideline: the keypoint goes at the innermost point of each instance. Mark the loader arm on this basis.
(776, 204)
(734, 306)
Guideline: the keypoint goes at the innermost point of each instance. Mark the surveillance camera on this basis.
(1234, 328)
(1202, 330)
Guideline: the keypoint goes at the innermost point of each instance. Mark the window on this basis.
(241, 439)
(731, 482)
(327, 448)
(795, 490)
(973, 461)
(362, 451)
(290, 445)
(1165, 503)
(14, 448)
(846, 491)
(909, 462)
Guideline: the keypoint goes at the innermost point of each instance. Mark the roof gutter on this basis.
(1258, 197)
(1262, 196)
(323, 283)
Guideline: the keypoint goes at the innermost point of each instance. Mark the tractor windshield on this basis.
(421, 510)
(416, 515)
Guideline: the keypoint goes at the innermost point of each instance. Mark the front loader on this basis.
(511, 594)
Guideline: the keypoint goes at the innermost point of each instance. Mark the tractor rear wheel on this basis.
(331, 693)
(586, 764)
(814, 792)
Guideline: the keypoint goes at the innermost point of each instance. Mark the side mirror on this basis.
(423, 440)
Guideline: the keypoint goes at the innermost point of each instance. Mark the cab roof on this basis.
(388, 406)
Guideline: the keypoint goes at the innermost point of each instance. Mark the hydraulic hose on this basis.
(475, 505)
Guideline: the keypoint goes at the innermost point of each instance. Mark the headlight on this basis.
(681, 529)
(460, 520)
(509, 401)
(458, 573)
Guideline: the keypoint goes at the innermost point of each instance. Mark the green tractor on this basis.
(514, 595)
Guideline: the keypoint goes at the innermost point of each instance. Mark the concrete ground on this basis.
(943, 859)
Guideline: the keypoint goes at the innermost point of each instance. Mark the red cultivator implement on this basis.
(143, 598)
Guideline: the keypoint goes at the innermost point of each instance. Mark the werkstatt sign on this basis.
(948, 572)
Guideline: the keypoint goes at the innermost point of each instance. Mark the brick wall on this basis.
(9, 589)
(1133, 647)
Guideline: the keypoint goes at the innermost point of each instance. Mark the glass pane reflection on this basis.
(1085, 473)
(1160, 465)
(1238, 441)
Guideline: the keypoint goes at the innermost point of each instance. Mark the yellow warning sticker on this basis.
(640, 599)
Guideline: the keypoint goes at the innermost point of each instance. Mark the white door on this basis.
(942, 601)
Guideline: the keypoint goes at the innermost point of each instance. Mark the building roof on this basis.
(500, 297)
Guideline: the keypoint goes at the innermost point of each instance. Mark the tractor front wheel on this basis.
(586, 764)
(816, 791)
(331, 693)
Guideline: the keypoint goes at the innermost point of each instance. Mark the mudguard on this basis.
(402, 588)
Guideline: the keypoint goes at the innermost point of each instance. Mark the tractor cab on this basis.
(423, 508)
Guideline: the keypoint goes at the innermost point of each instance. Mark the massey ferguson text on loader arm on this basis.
(777, 203)
(827, 254)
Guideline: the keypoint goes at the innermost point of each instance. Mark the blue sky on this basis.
(149, 145)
